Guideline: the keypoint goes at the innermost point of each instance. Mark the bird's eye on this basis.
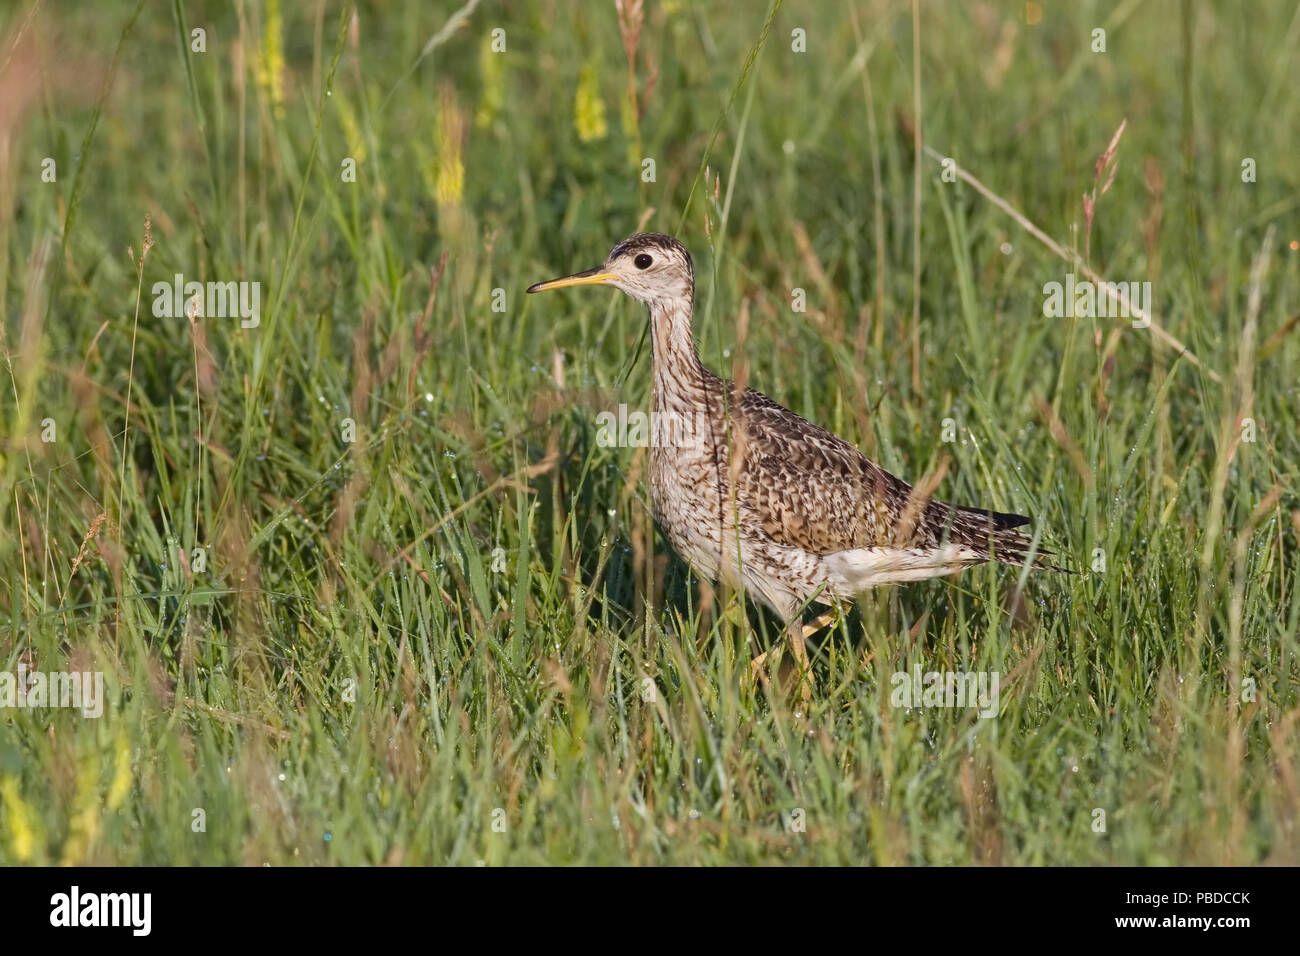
(643, 261)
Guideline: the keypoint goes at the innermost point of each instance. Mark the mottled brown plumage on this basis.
(751, 493)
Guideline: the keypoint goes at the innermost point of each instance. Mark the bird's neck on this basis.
(678, 374)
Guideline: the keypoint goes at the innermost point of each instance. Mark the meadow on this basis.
(366, 582)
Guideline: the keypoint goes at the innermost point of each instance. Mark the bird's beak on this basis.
(597, 276)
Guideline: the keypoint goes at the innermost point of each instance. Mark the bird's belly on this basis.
(692, 520)
(721, 541)
(691, 508)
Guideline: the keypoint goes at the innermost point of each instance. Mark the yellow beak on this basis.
(590, 277)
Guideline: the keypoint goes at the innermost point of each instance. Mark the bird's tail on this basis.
(993, 535)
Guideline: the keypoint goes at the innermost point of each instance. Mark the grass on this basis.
(459, 638)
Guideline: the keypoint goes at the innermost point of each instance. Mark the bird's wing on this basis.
(812, 489)
(815, 491)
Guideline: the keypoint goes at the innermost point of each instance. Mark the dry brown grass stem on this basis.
(1114, 291)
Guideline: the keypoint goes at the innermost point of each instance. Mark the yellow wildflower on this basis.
(270, 64)
(121, 785)
(83, 828)
(589, 106)
(449, 142)
(22, 837)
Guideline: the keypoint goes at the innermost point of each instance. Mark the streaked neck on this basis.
(678, 374)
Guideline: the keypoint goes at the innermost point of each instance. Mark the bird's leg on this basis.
(786, 672)
(827, 618)
(799, 634)
(801, 671)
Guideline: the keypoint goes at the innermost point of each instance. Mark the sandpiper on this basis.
(766, 500)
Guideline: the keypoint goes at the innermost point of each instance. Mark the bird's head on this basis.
(649, 266)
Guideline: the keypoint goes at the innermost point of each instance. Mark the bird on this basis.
(751, 494)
